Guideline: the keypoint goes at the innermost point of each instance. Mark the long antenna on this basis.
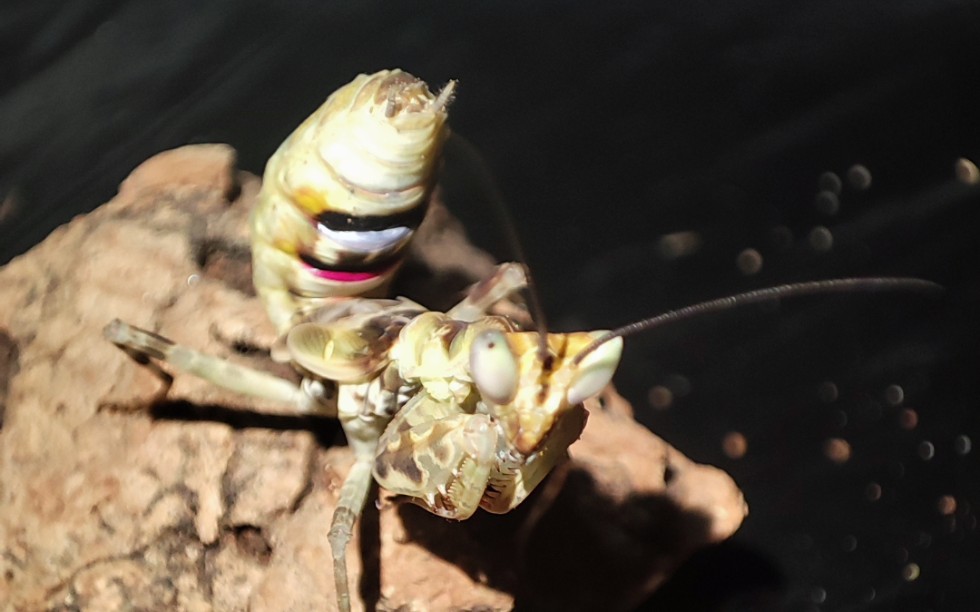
(485, 177)
(837, 285)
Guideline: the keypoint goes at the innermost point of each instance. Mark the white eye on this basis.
(595, 371)
(494, 367)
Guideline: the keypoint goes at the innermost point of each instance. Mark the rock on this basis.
(115, 497)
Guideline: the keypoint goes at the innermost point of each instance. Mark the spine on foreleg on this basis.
(343, 195)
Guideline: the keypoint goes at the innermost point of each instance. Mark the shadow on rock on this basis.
(326, 430)
(584, 551)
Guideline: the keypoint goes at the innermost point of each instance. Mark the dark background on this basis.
(607, 128)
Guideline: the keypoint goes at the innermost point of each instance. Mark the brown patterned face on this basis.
(453, 453)
(529, 391)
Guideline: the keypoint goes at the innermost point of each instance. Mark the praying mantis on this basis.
(454, 411)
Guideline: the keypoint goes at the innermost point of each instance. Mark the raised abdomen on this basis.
(343, 195)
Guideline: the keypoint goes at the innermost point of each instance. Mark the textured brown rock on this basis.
(212, 501)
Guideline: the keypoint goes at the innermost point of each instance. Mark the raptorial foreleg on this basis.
(353, 495)
(363, 429)
(438, 455)
(310, 397)
(506, 280)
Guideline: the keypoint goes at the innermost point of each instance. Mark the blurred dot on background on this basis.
(894, 395)
(9, 208)
(908, 419)
(818, 595)
(966, 171)
(926, 450)
(679, 384)
(679, 244)
(901, 554)
(734, 445)
(749, 262)
(837, 450)
(826, 202)
(840, 418)
(820, 239)
(873, 491)
(660, 397)
(829, 181)
(962, 444)
(946, 505)
(858, 177)
(910, 572)
(827, 392)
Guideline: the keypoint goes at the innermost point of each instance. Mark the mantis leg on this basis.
(507, 279)
(353, 495)
(311, 397)
(363, 431)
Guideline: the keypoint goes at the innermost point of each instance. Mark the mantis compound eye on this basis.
(595, 370)
(494, 367)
